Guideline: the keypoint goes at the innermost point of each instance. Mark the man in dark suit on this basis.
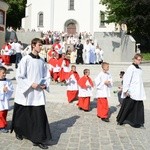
(79, 48)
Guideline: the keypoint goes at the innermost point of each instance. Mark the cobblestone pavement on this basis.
(73, 129)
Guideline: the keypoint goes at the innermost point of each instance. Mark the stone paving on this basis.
(73, 129)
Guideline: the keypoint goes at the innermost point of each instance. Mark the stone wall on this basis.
(117, 47)
(26, 37)
(2, 39)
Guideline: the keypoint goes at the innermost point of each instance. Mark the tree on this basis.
(15, 12)
(134, 13)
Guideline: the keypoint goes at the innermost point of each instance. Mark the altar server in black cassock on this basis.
(29, 116)
(132, 109)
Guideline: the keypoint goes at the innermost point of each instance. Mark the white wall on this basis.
(55, 17)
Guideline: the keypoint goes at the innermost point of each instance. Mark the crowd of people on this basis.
(80, 49)
(33, 78)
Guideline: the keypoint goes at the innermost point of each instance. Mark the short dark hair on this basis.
(3, 68)
(35, 41)
(122, 73)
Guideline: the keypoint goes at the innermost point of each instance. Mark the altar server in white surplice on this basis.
(6, 91)
(29, 118)
(133, 94)
(72, 84)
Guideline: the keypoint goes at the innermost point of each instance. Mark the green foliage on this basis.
(146, 56)
(135, 13)
(15, 12)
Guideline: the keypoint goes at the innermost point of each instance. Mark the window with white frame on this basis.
(71, 4)
(40, 19)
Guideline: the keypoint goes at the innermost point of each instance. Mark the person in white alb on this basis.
(6, 91)
(103, 84)
(18, 49)
(87, 47)
(133, 93)
(72, 84)
(29, 116)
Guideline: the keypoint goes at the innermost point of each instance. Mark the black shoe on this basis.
(80, 108)
(19, 137)
(41, 145)
(86, 110)
(105, 119)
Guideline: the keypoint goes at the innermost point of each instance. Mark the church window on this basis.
(102, 18)
(1, 17)
(40, 19)
(71, 4)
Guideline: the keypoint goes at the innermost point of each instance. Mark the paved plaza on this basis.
(73, 129)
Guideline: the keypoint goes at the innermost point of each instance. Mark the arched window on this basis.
(102, 18)
(40, 19)
(71, 4)
(1, 17)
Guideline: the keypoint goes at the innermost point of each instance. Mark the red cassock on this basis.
(85, 92)
(3, 122)
(51, 62)
(6, 55)
(63, 63)
(56, 70)
(56, 47)
(51, 52)
(102, 107)
(72, 86)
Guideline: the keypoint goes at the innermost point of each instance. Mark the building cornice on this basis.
(3, 5)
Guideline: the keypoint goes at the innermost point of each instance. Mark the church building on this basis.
(69, 16)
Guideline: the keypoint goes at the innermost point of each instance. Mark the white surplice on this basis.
(72, 83)
(86, 92)
(102, 90)
(31, 70)
(133, 84)
(5, 96)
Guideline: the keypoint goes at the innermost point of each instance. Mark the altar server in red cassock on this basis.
(85, 91)
(51, 63)
(103, 84)
(6, 91)
(51, 52)
(6, 49)
(64, 64)
(72, 85)
(56, 68)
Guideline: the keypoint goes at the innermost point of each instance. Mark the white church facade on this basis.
(69, 16)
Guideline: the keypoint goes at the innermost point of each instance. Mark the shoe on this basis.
(80, 108)
(19, 137)
(86, 110)
(3, 130)
(105, 119)
(41, 145)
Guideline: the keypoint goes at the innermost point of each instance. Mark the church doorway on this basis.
(71, 26)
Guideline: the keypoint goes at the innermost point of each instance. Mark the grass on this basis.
(146, 56)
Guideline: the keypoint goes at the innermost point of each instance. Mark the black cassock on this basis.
(131, 112)
(79, 58)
